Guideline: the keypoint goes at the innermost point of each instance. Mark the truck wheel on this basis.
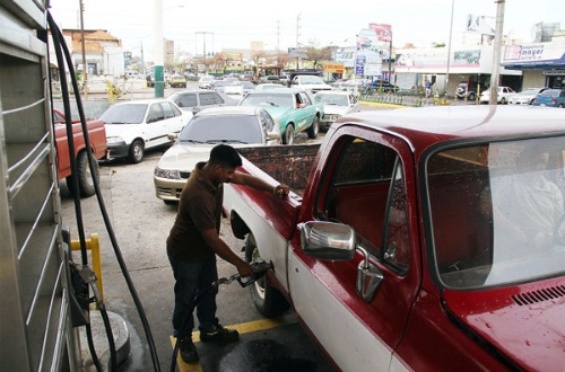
(136, 151)
(85, 182)
(314, 128)
(472, 96)
(267, 300)
(288, 137)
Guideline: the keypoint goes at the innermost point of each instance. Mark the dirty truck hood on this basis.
(184, 157)
(526, 323)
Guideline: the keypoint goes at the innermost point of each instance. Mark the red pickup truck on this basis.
(97, 137)
(421, 239)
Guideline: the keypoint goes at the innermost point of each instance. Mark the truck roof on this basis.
(423, 127)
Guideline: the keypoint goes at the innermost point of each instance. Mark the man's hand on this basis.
(244, 269)
(281, 190)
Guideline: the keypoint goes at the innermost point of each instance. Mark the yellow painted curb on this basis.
(380, 104)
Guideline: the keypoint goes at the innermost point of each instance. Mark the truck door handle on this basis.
(369, 278)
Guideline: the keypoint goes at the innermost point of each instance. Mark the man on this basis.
(194, 241)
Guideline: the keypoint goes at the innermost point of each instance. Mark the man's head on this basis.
(222, 163)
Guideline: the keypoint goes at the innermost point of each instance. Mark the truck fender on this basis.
(238, 226)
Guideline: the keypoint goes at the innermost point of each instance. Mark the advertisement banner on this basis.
(360, 66)
(383, 32)
(479, 24)
(334, 67)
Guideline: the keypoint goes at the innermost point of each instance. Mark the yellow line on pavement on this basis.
(242, 328)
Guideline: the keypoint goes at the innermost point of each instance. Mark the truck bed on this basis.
(286, 164)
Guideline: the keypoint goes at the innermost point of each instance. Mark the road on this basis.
(141, 223)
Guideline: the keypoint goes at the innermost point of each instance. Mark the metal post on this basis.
(496, 53)
(159, 50)
(84, 67)
(390, 59)
(446, 81)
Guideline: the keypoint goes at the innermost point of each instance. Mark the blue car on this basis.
(551, 98)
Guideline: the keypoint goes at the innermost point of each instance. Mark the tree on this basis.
(316, 55)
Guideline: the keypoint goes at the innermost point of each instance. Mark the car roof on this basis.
(142, 101)
(426, 126)
(275, 90)
(333, 92)
(229, 110)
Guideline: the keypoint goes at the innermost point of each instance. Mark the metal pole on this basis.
(496, 53)
(355, 68)
(84, 67)
(446, 81)
(159, 49)
(390, 59)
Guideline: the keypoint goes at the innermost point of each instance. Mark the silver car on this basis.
(525, 97)
(234, 125)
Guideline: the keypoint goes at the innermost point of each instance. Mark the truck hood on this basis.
(523, 323)
(278, 112)
(184, 156)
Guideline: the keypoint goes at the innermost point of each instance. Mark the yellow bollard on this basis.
(93, 244)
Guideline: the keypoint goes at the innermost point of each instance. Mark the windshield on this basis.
(271, 99)
(550, 93)
(497, 212)
(331, 99)
(225, 128)
(125, 114)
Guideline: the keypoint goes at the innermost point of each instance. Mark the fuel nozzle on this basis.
(259, 268)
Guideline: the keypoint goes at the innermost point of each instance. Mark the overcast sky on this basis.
(236, 23)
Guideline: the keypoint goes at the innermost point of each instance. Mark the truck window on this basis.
(497, 213)
(360, 195)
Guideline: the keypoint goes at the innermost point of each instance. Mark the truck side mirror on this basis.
(328, 240)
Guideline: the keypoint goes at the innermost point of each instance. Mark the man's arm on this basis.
(221, 249)
(257, 183)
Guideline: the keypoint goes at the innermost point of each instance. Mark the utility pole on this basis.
(278, 47)
(493, 99)
(159, 49)
(446, 81)
(297, 41)
(84, 68)
(204, 33)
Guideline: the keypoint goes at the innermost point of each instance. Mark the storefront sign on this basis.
(337, 68)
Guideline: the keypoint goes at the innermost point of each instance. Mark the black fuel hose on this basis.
(107, 222)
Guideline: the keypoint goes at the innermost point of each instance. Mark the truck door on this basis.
(368, 184)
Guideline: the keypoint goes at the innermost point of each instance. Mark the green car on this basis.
(293, 109)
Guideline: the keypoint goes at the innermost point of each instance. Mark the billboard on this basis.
(383, 32)
(479, 24)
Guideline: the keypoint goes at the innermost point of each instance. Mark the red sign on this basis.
(384, 32)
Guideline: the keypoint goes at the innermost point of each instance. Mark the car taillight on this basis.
(554, 100)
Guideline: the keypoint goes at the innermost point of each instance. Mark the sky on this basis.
(235, 24)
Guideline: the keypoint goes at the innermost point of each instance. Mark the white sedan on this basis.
(502, 97)
(525, 97)
(336, 104)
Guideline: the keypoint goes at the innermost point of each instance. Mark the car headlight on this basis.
(173, 174)
(114, 139)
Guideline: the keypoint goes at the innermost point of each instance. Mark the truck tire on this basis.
(314, 128)
(267, 299)
(472, 96)
(85, 181)
(288, 137)
(136, 152)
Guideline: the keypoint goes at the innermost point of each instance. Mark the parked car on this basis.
(237, 126)
(309, 83)
(381, 85)
(468, 90)
(204, 81)
(270, 79)
(353, 86)
(504, 93)
(336, 104)
(136, 126)
(177, 81)
(525, 97)
(193, 101)
(551, 97)
(293, 109)
(265, 86)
